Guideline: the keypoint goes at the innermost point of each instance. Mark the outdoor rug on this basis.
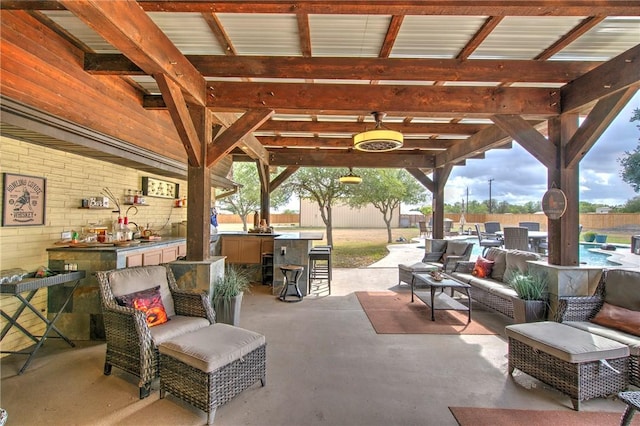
(393, 313)
(470, 416)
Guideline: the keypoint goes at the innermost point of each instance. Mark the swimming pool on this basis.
(586, 257)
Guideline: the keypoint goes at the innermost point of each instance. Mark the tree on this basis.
(247, 199)
(322, 186)
(630, 161)
(632, 206)
(386, 189)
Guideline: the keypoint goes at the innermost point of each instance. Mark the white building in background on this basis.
(603, 209)
(344, 216)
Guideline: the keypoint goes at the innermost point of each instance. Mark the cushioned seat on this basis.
(570, 360)
(210, 366)
(438, 254)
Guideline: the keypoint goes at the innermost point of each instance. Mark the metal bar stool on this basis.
(291, 275)
(320, 266)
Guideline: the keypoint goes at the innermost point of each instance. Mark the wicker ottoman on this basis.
(575, 362)
(209, 366)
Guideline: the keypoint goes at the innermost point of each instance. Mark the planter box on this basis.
(601, 239)
(529, 310)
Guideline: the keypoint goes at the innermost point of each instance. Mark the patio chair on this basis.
(531, 226)
(486, 243)
(132, 344)
(424, 231)
(490, 228)
(516, 238)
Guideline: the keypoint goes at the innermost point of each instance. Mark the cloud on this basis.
(518, 177)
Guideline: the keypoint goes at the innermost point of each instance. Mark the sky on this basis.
(518, 177)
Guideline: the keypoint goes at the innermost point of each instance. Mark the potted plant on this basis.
(601, 238)
(227, 294)
(531, 303)
(589, 236)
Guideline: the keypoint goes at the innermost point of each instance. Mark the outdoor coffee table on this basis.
(440, 301)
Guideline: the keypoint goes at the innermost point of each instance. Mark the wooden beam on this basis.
(489, 138)
(219, 33)
(528, 137)
(485, 30)
(598, 120)
(282, 177)
(234, 134)
(354, 127)
(357, 99)
(390, 37)
(422, 178)
(575, 33)
(360, 68)
(408, 7)
(617, 74)
(126, 26)
(304, 34)
(327, 158)
(179, 112)
(347, 143)
(263, 176)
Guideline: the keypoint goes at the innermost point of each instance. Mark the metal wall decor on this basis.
(160, 188)
(554, 203)
(23, 200)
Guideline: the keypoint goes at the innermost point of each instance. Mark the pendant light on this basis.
(350, 178)
(378, 139)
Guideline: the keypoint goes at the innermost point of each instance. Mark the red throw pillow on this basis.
(482, 268)
(147, 301)
(619, 318)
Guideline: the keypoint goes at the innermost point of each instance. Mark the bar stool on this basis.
(291, 275)
(320, 266)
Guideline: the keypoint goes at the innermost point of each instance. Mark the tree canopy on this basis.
(630, 161)
(247, 199)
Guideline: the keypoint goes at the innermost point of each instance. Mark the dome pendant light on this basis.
(350, 178)
(379, 139)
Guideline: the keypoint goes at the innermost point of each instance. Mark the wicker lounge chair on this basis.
(131, 344)
(516, 238)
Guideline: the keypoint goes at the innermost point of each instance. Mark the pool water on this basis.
(586, 257)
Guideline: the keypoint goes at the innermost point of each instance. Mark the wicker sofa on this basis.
(617, 288)
(492, 291)
(131, 344)
(439, 253)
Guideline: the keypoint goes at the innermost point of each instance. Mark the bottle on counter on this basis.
(136, 198)
(256, 219)
(117, 229)
(128, 199)
(128, 233)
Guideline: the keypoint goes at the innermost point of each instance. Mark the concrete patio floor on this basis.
(325, 366)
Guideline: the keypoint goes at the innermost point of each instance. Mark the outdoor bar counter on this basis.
(285, 248)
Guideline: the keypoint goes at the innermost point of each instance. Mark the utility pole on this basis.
(467, 210)
(490, 202)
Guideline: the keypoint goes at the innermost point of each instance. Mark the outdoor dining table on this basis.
(535, 237)
(31, 286)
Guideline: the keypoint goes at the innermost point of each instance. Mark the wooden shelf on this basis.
(136, 204)
(95, 208)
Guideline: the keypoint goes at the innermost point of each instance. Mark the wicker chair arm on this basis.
(193, 304)
(464, 266)
(578, 308)
(432, 256)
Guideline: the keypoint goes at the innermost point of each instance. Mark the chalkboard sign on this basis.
(554, 203)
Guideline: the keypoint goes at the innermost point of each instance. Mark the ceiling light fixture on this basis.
(379, 139)
(350, 178)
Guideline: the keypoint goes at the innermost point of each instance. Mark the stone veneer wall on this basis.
(70, 178)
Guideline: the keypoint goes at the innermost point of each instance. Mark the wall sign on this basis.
(23, 200)
(554, 203)
(159, 188)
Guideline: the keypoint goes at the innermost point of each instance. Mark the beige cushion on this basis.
(517, 262)
(418, 267)
(212, 347)
(565, 342)
(456, 248)
(132, 280)
(623, 289)
(619, 336)
(499, 257)
(177, 326)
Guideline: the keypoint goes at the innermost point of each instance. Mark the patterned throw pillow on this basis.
(147, 301)
(482, 268)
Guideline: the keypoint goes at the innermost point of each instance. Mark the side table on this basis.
(291, 275)
(31, 286)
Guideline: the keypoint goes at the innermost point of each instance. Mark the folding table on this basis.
(32, 285)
